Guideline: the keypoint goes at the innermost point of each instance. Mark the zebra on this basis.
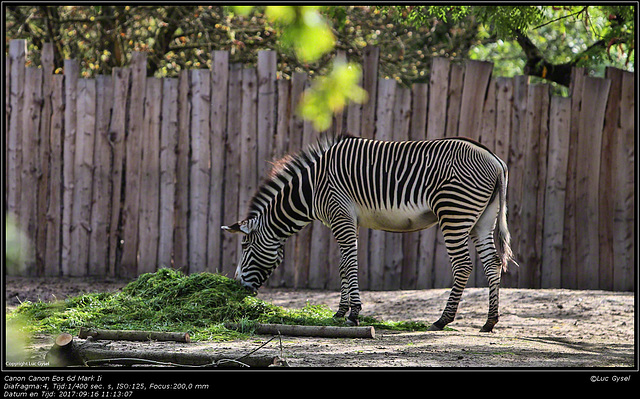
(402, 186)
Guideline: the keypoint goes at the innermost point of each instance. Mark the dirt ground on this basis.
(543, 328)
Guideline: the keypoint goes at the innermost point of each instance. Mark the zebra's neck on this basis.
(284, 201)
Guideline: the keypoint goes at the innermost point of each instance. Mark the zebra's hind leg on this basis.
(482, 235)
(458, 250)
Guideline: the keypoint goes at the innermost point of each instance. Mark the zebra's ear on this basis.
(239, 227)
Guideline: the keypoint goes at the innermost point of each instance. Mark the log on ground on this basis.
(133, 335)
(309, 331)
(95, 355)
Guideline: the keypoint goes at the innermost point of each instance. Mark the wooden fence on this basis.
(122, 174)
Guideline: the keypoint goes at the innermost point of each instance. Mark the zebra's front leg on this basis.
(346, 236)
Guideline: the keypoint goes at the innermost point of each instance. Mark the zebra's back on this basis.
(395, 186)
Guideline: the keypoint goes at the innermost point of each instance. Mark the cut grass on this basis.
(168, 300)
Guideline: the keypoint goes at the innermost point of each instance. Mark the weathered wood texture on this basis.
(128, 173)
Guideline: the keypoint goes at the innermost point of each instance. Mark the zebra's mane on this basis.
(284, 168)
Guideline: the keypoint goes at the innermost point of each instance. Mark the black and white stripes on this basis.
(348, 182)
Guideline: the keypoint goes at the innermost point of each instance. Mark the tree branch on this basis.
(537, 65)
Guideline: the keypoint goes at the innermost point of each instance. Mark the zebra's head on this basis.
(261, 253)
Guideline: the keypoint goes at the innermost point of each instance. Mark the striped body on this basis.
(347, 182)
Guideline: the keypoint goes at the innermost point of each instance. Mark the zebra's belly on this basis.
(396, 220)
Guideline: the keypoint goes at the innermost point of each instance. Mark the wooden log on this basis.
(98, 355)
(64, 352)
(309, 331)
(133, 335)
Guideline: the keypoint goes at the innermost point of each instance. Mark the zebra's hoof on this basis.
(437, 326)
(487, 327)
(352, 322)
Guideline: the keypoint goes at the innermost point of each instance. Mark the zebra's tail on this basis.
(504, 237)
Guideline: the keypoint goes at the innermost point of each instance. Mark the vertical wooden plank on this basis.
(370, 60)
(419, 245)
(595, 93)
(133, 145)
(180, 236)
(484, 130)
(219, 101)
(439, 274)
(7, 119)
(624, 194)
(83, 177)
(232, 214)
(488, 123)
(168, 171)
(200, 169)
(415, 267)
(30, 126)
(279, 149)
(454, 98)
(54, 206)
(316, 260)
(248, 141)
(266, 121)
(101, 196)
(504, 99)
(517, 145)
(304, 236)
(605, 200)
(394, 254)
(46, 59)
(17, 54)
(71, 74)
(477, 76)
(556, 186)
(535, 134)
(294, 276)
(354, 120)
(117, 134)
(438, 84)
(150, 179)
(378, 267)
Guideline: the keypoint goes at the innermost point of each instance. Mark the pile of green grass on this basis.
(168, 300)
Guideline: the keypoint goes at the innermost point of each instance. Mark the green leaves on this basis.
(329, 94)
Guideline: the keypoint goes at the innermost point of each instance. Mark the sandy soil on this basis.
(546, 328)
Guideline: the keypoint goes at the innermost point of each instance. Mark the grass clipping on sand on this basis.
(168, 300)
